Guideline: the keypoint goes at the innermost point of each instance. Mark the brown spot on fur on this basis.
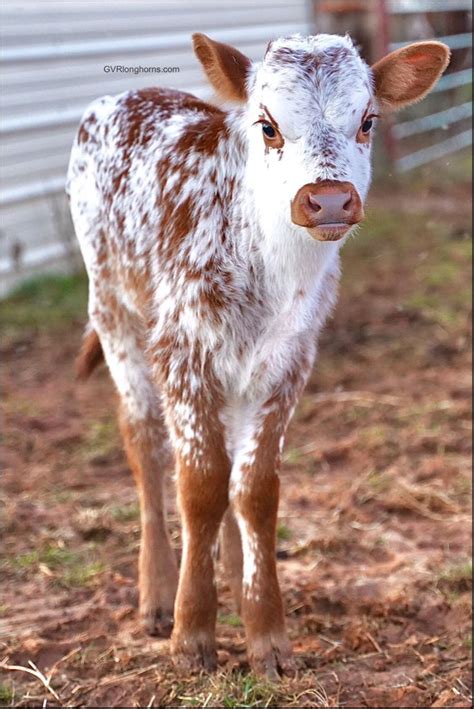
(83, 134)
(203, 136)
(178, 222)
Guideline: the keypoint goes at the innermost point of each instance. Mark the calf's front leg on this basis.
(203, 470)
(254, 491)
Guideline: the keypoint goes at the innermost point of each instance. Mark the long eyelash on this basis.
(263, 120)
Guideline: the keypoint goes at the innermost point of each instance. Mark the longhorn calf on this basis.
(211, 239)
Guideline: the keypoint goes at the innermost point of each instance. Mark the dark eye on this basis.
(269, 130)
(366, 126)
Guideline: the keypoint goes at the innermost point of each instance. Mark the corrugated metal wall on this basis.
(53, 59)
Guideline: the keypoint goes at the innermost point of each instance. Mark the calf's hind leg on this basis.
(158, 574)
(146, 444)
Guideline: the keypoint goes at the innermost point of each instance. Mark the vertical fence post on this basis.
(382, 47)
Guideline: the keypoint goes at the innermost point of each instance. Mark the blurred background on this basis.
(56, 57)
(374, 528)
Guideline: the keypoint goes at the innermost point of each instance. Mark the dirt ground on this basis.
(374, 531)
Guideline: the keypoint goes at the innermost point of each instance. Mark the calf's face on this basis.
(310, 110)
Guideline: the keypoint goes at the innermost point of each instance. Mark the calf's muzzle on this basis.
(327, 209)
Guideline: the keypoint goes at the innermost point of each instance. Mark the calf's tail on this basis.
(90, 355)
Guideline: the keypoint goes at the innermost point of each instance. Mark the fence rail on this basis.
(452, 81)
(463, 40)
(436, 151)
(434, 120)
(404, 7)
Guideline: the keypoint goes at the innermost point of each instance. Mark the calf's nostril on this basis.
(313, 202)
(347, 206)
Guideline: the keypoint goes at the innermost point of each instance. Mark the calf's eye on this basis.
(272, 137)
(363, 134)
(268, 130)
(367, 125)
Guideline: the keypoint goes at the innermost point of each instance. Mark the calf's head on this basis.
(309, 111)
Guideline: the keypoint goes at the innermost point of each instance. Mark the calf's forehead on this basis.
(321, 76)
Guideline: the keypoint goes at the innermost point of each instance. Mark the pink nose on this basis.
(327, 203)
(332, 207)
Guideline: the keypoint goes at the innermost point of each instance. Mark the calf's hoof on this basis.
(272, 657)
(157, 621)
(193, 653)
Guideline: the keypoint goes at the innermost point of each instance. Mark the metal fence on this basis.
(449, 108)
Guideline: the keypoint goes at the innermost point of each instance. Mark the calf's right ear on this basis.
(225, 67)
(409, 73)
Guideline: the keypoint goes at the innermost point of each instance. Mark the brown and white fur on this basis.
(211, 239)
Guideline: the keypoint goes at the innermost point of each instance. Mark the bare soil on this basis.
(374, 533)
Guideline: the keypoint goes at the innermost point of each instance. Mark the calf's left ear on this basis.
(225, 67)
(409, 73)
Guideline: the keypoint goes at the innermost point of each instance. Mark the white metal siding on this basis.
(53, 58)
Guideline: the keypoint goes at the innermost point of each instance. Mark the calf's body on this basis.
(211, 270)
